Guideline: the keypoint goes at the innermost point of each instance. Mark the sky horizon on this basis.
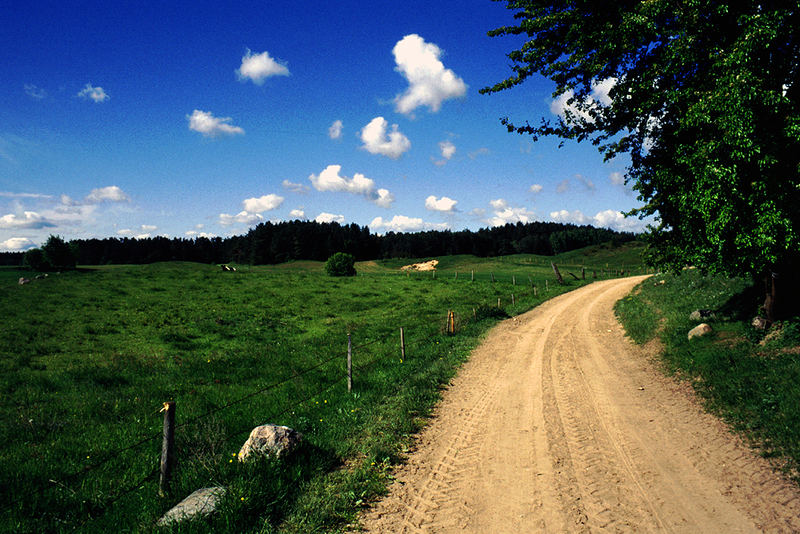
(199, 119)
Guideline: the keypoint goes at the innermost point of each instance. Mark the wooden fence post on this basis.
(451, 322)
(498, 302)
(546, 286)
(513, 280)
(349, 364)
(513, 301)
(558, 274)
(473, 276)
(167, 448)
(474, 314)
(402, 345)
(535, 291)
(492, 275)
(583, 273)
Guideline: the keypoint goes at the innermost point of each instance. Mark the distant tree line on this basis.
(270, 243)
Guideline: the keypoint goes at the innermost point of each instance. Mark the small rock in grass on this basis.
(200, 503)
(699, 315)
(270, 439)
(699, 330)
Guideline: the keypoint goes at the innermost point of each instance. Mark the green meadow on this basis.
(88, 358)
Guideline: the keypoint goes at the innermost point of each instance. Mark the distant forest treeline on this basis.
(307, 240)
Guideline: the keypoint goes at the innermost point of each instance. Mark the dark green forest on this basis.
(270, 243)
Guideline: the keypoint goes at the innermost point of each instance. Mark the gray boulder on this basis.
(200, 503)
(700, 330)
(270, 439)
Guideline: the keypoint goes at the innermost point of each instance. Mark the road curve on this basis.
(557, 423)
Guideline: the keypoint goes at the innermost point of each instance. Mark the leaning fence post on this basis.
(402, 345)
(349, 364)
(167, 448)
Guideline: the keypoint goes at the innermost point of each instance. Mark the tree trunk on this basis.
(770, 299)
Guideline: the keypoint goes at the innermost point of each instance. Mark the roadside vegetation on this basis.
(750, 377)
(88, 357)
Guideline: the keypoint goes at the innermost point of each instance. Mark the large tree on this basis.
(704, 97)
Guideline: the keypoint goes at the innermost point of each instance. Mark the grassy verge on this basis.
(751, 380)
(88, 357)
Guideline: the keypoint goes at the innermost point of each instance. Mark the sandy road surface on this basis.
(559, 424)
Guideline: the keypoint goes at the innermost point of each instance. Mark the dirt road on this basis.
(559, 424)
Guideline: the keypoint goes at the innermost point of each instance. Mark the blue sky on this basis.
(200, 118)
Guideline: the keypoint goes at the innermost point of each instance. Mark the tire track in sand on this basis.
(558, 424)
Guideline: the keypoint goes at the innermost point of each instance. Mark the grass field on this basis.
(88, 357)
(749, 377)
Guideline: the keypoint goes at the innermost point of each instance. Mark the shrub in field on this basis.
(341, 264)
(34, 260)
(55, 255)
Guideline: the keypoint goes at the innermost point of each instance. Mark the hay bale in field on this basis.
(423, 266)
(700, 330)
(270, 439)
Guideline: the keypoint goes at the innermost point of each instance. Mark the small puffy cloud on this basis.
(448, 149)
(149, 228)
(16, 244)
(429, 82)
(329, 218)
(28, 220)
(444, 204)
(112, 193)
(536, 188)
(565, 107)
(35, 92)
(295, 188)
(262, 204)
(125, 232)
(401, 223)
(142, 236)
(259, 67)
(297, 214)
(504, 213)
(97, 94)
(378, 140)
(243, 217)
(617, 220)
(207, 124)
(335, 130)
(330, 180)
(195, 233)
(617, 178)
(574, 217)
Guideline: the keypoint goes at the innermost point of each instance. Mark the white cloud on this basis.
(210, 126)
(536, 188)
(295, 188)
(617, 178)
(112, 193)
(16, 244)
(563, 186)
(505, 213)
(616, 220)
(401, 223)
(574, 217)
(599, 97)
(243, 217)
(335, 130)
(8, 194)
(444, 204)
(35, 92)
(259, 67)
(149, 228)
(142, 236)
(262, 204)
(125, 232)
(194, 233)
(96, 94)
(378, 140)
(297, 214)
(329, 218)
(498, 204)
(28, 220)
(330, 180)
(430, 83)
(447, 148)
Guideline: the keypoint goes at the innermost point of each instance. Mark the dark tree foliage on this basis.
(704, 97)
(341, 264)
(270, 243)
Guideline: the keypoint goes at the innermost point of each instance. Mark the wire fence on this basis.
(525, 297)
